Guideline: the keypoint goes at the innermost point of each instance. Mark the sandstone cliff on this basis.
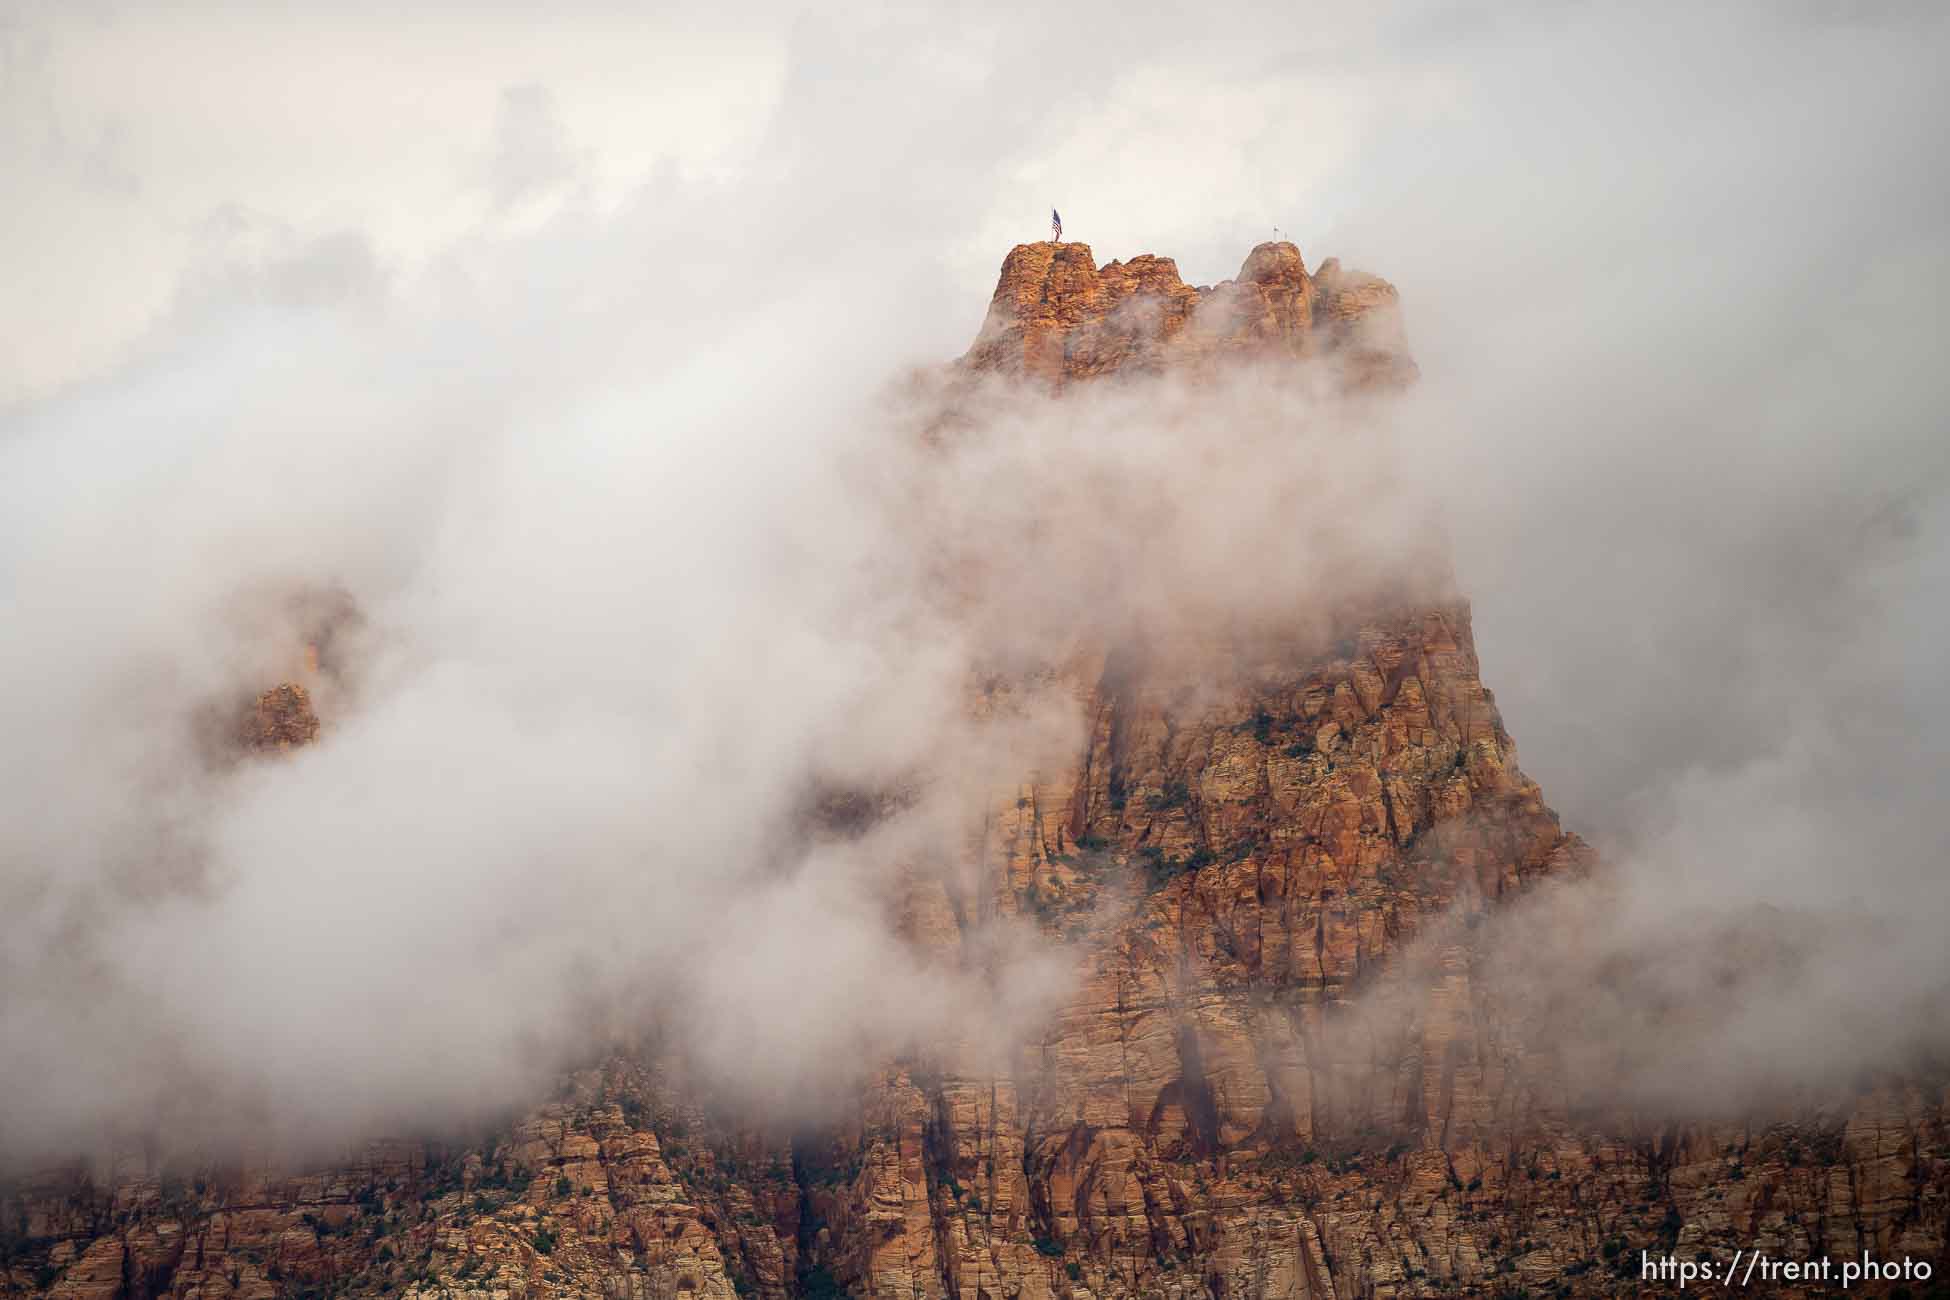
(1282, 1075)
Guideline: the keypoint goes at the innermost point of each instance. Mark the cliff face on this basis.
(1283, 1073)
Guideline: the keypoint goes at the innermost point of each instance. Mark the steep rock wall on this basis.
(1281, 1074)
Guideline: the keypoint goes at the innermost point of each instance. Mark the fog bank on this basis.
(587, 398)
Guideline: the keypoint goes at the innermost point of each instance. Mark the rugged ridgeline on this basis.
(1282, 1074)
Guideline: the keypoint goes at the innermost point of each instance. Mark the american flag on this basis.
(1056, 225)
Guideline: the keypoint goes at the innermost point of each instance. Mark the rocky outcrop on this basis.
(1286, 1070)
(279, 719)
(1057, 316)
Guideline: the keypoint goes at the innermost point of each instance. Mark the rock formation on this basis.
(279, 719)
(1281, 1076)
(1057, 316)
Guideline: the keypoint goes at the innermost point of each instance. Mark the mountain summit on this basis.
(1057, 315)
(1283, 1073)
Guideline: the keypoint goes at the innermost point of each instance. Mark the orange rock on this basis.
(1057, 316)
(1284, 1070)
(279, 719)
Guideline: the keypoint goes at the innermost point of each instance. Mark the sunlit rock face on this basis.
(1284, 1069)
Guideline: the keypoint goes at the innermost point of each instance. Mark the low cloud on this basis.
(646, 550)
